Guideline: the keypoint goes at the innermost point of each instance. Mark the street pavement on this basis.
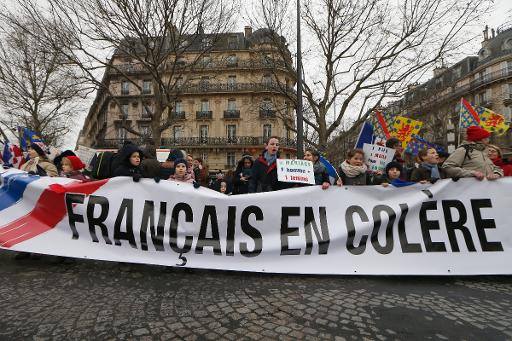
(90, 300)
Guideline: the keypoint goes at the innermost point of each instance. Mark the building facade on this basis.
(484, 80)
(234, 97)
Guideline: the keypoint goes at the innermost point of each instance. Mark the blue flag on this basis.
(333, 175)
(27, 137)
(365, 135)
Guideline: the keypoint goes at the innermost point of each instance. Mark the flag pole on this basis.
(3, 134)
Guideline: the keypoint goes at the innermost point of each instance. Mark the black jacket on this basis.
(423, 174)
(320, 172)
(126, 168)
(264, 177)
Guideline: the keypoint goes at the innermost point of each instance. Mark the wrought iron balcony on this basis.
(204, 115)
(267, 113)
(198, 142)
(231, 114)
(177, 115)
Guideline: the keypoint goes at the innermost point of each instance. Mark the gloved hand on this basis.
(157, 179)
(433, 180)
(196, 184)
(32, 173)
(455, 179)
(136, 177)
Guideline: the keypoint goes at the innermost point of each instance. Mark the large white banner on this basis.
(450, 228)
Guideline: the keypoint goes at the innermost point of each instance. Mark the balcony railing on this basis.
(204, 115)
(201, 142)
(231, 113)
(267, 113)
(178, 115)
(133, 68)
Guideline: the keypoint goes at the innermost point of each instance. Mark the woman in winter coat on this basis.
(320, 172)
(471, 159)
(353, 171)
(39, 163)
(264, 170)
(130, 157)
(428, 169)
(243, 173)
(494, 153)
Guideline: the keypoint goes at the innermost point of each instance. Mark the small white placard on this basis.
(297, 171)
(85, 154)
(377, 157)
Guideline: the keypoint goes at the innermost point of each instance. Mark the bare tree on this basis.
(361, 53)
(154, 35)
(36, 90)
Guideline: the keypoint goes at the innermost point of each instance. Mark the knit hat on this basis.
(394, 164)
(477, 133)
(39, 150)
(178, 161)
(175, 154)
(76, 163)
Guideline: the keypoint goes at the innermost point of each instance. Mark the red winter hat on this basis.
(75, 162)
(477, 133)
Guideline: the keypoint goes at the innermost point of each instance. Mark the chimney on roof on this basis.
(486, 32)
(248, 31)
(493, 33)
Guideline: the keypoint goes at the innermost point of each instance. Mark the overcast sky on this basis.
(501, 13)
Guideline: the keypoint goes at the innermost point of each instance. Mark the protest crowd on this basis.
(475, 157)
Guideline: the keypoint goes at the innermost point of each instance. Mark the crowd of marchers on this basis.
(475, 157)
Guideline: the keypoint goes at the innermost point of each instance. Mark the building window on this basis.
(177, 132)
(457, 72)
(267, 131)
(230, 159)
(179, 82)
(231, 132)
(232, 60)
(146, 87)
(206, 43)
(204, 156)
(267, 80)
(203, 133)
(231, 104)
(206, 60)
(178, 106)
(205, 105)
(146, 110)
(231, 82)
(266, 104)
(124, 109)
(232, 42)
(204, 82)
(145, 130)
(121, 133)
(125, 88)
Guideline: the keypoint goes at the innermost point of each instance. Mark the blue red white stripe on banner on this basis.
(13, 188)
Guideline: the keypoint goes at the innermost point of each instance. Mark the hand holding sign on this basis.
(296, 171)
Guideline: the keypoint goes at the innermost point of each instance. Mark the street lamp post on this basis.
(300, 128)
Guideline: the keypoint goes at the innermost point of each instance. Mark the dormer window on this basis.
(483, 53)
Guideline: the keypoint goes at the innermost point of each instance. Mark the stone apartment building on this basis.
(238, 94)
(485, 80)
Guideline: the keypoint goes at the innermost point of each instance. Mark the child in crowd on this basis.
(393, 171)
(181, 173)
(72, 167)
(353, 170)
(130, 157)
(428, 169)
(224, 188)
(320, 172)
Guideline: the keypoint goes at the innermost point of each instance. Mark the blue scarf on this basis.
(270, 158)
(434, 170)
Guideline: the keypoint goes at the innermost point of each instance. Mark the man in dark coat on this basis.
(264, 170)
